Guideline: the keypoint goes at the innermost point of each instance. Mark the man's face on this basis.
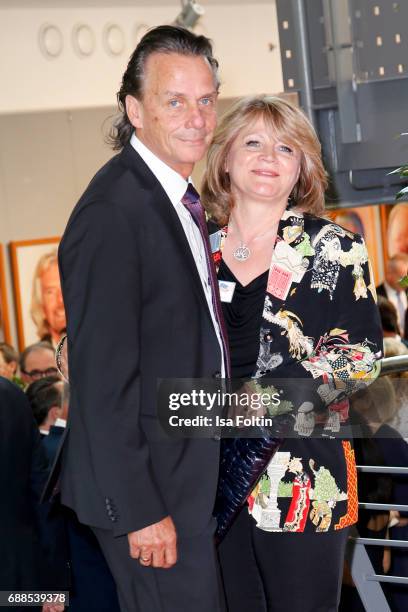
(51, 295)
(177, 116)
(7, 369)
(395, 271)
(39, 363)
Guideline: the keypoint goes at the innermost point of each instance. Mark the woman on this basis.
(299, 303)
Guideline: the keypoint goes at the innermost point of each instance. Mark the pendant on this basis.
(242, 253)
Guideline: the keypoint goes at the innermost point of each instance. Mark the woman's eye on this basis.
(253, 143)
(285, 148)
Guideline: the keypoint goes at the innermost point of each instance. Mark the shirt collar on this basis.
(390, 290)
(172, 182)
(60, 423)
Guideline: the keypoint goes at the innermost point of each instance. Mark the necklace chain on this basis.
(243, 252)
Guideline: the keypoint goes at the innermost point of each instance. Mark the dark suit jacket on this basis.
(136, 313)
(23, 471)
(382, 291)
(87, 563)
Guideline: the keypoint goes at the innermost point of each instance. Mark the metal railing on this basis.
(368, 583)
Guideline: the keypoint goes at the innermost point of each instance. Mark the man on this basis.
(397, 229)
(45, 397)
(49, 401)
(23, 473)
(140, 307)
(47, 306)
(8, 361)
(37, 361)
(396, 268)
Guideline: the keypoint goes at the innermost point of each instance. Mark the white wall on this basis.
(241, 33)
(52, 111)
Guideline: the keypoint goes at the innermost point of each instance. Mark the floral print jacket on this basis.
(320, 326)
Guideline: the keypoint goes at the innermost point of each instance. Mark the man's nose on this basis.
(195, 119)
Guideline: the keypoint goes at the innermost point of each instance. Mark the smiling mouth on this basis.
(270, 173)
(198, 141)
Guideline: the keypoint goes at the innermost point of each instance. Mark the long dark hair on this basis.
(163, 39)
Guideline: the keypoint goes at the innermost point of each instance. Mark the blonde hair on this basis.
(383, 397)
(36, 309)
(289, 124)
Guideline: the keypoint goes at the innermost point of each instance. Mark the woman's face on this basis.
(261, 167)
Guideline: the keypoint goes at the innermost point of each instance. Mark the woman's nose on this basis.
(269, 154)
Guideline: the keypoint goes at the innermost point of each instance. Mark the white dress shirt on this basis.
(175, 187)
(60, 422)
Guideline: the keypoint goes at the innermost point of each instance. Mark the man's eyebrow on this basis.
(169, 93)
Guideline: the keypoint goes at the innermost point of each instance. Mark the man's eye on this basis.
(206, 101)
(174, 103)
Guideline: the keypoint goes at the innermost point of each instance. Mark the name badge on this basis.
(227, 289)
(279, 282)
(215, 241)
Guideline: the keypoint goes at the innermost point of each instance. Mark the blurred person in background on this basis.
(391, 333)
(378, 405)
(396, 269)
(37, 361)
(397, 231)
(23, 472)
(49, 400)
(8, 361)
(47, 306)
(45, 397)
(88, 566)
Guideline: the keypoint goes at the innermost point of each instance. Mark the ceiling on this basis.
(116, 3)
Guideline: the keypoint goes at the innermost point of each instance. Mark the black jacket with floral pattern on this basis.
(321, 337)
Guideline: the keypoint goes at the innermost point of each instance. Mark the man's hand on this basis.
(53, 607)
(155, 545)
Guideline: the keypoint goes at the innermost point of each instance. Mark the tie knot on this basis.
(191, 196)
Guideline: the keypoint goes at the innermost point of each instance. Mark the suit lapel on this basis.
(159, 199)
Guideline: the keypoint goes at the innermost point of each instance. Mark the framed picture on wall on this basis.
(394, 228)
(4, 314)
(40, 310)
(364, 220)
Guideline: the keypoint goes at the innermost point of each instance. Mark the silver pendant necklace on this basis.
(243, 252)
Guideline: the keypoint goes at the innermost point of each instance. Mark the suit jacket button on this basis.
(217, 375)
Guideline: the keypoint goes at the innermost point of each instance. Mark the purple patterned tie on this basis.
(191, 201)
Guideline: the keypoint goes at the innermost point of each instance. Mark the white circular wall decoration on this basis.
(113, 39)
(139, 31)
(83, 40)
(50, 40)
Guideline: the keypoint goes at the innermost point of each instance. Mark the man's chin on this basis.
(193, 154)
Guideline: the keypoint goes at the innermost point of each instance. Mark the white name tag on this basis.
(215, 241)
(227, 289)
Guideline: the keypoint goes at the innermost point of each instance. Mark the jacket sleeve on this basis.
(101, 275)
(345, 355)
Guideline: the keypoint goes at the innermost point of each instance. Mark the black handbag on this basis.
(242, 463)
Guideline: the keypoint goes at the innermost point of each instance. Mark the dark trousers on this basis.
(192, 584)
(281, 572)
